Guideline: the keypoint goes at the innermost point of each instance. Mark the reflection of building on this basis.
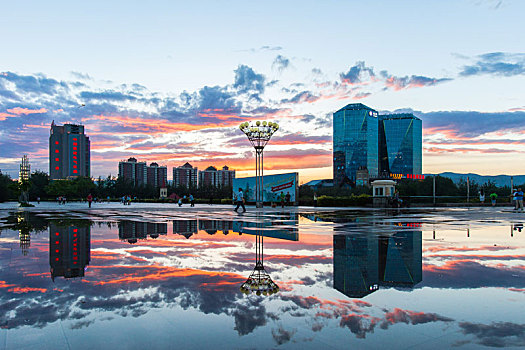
(187, 228)
(400, 143)
(363, 262)
(69, 152)
(133, 171)
(25, 169)
(132, 231)
(69, 250)
(212, 226)
(157, 176)
(185, 176)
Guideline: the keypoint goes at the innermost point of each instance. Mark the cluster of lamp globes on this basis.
(264, 286)
(259, 129)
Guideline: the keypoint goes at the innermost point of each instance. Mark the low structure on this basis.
(382, 192)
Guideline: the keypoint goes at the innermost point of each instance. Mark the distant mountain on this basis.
(499, 180)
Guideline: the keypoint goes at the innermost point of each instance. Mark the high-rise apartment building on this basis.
(216, 178)
(355, 132)
(400, 143)
(69, 152)
(133, 171)
(226, 177)
(185, 176)
(208, 177)
(157, 176)
(25, 169)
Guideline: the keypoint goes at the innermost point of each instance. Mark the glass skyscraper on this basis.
(400, 143)
(355, 130)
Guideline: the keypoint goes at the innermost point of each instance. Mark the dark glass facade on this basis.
(400, 144)
(355, 130)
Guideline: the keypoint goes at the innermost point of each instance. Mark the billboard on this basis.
(273, 186)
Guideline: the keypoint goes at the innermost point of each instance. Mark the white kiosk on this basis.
(382, 192)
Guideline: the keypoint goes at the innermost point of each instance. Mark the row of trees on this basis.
(415, 188)
(39, 186)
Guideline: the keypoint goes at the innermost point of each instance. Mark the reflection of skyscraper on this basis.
(400, 259)
(356, 264)
(69, 250)
(132, 231)
(363, 262)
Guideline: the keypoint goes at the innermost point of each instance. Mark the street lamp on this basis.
(259, 133)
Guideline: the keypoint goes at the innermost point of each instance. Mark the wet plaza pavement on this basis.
(163, 277)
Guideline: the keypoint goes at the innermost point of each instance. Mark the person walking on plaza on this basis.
(481, 196)
(493, 196)
(315, 199)
(519, 200)
(287, 198)
(282, 199)
(239, 199)
(89, 199)
(192, 200)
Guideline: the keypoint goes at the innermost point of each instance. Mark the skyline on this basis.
(186, 77)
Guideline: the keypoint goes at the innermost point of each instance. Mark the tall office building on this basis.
(157, 176)
(133, 171)
(400, 143)
(25, 169)
(185, 176)
(69, 152)
(69, 250)
(355, 132)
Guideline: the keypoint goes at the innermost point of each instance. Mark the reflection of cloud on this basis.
(470, 274)
(497, 334)
(359, 324)
(282, 336)
(407, 316)
(248, 317)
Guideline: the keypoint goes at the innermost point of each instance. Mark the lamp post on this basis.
(259, 133)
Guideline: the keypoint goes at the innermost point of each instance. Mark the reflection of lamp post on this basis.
(259, 281)
(259, 133)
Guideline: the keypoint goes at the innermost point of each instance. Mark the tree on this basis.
(6, 188)
(39, 182)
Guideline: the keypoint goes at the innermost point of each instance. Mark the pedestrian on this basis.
(481, 196)
(493, 196)
(192, 200)
(519, 200)
(180, 202)
(315, 199)
(282, 199)
(287, 198)
(515, 199)
(89, 199)
(239, 199)
(38, 200)
(64, 200)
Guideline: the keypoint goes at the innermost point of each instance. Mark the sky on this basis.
(169, 81)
